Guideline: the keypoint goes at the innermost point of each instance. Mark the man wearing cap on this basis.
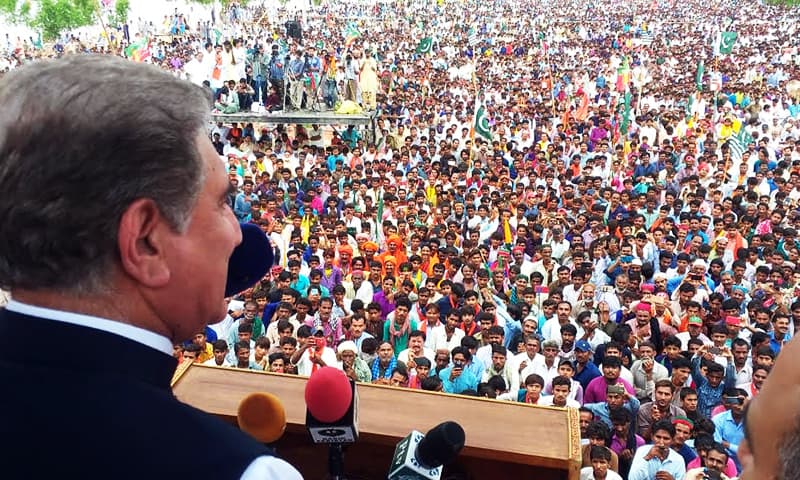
(351, 364)
(585, 369)
(694, 329)
(646, 327)
(141, 220)
(683, 432)
(616, 397)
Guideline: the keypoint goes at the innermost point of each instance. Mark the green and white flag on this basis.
(482, 127)
(425, 45)
(726, 41)
(698, 77)
(626, 113)
(738, 144)
(472, 37)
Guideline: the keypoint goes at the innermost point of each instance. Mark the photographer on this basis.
(259, 67)
(275, 72)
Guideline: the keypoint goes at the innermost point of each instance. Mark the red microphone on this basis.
(328, 394)
(331, 414)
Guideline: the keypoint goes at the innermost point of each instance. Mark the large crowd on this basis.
(624, 241)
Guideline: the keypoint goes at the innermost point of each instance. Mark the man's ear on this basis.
(142, 240)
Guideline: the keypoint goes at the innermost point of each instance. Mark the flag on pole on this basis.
(379, 220)
(482, 126)
(626, 113)
(425, 45)
(623, 75)
(726, 41)
(472, 37)
(138, 51)
(351, 33)
(698, 77)
(738, 144)
(217, 36)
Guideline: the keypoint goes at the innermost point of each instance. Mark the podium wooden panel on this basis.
(503, 439)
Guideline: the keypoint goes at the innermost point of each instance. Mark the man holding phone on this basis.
(729, 425)
(658, 461)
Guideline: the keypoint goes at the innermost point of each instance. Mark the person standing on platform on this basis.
(125, 212)
(297, 68)
(369, 81)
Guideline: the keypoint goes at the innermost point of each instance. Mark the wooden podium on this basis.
(503, 439)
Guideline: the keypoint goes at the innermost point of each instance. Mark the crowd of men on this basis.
(612, 245)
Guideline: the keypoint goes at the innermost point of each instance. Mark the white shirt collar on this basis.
(137, 334)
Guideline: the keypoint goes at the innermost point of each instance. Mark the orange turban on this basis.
(345, 249)
(396, 239)
(370, 246)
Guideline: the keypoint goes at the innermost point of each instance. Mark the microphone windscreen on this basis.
(328, 394)
(262, 416)
(440, 445)
(250, 260)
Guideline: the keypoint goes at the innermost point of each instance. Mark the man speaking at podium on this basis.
(115, 241)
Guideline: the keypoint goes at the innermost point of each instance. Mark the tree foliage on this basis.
(120, 15)
(15, 11)
(53, 17)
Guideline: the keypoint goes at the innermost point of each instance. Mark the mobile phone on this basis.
(711, 475)
(736, 400)
(627, 258)
(458, 365)
(715, 350)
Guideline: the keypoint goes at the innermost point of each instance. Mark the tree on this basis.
(120, 15)
(15, 11)
(53, 17)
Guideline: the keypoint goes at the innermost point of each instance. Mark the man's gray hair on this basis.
(789, 458)
(81, 138)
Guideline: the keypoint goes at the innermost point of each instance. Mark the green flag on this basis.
(726, 41)
(217, 36)
(482, 126)
(698, 77)
(626, 113)
(425, 45)
(379, 219)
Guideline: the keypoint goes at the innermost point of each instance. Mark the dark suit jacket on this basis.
(83, 403)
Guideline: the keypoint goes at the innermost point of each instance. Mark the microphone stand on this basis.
(336, 461)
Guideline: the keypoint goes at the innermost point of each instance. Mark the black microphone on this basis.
(421, 457)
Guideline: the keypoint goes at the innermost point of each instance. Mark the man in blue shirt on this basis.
(455, 379)
(616, 397)
(297, 68)
(710, 387)
(242, 207)
(780, 332)
(658, 461)
(585, 369)
(729, 426)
